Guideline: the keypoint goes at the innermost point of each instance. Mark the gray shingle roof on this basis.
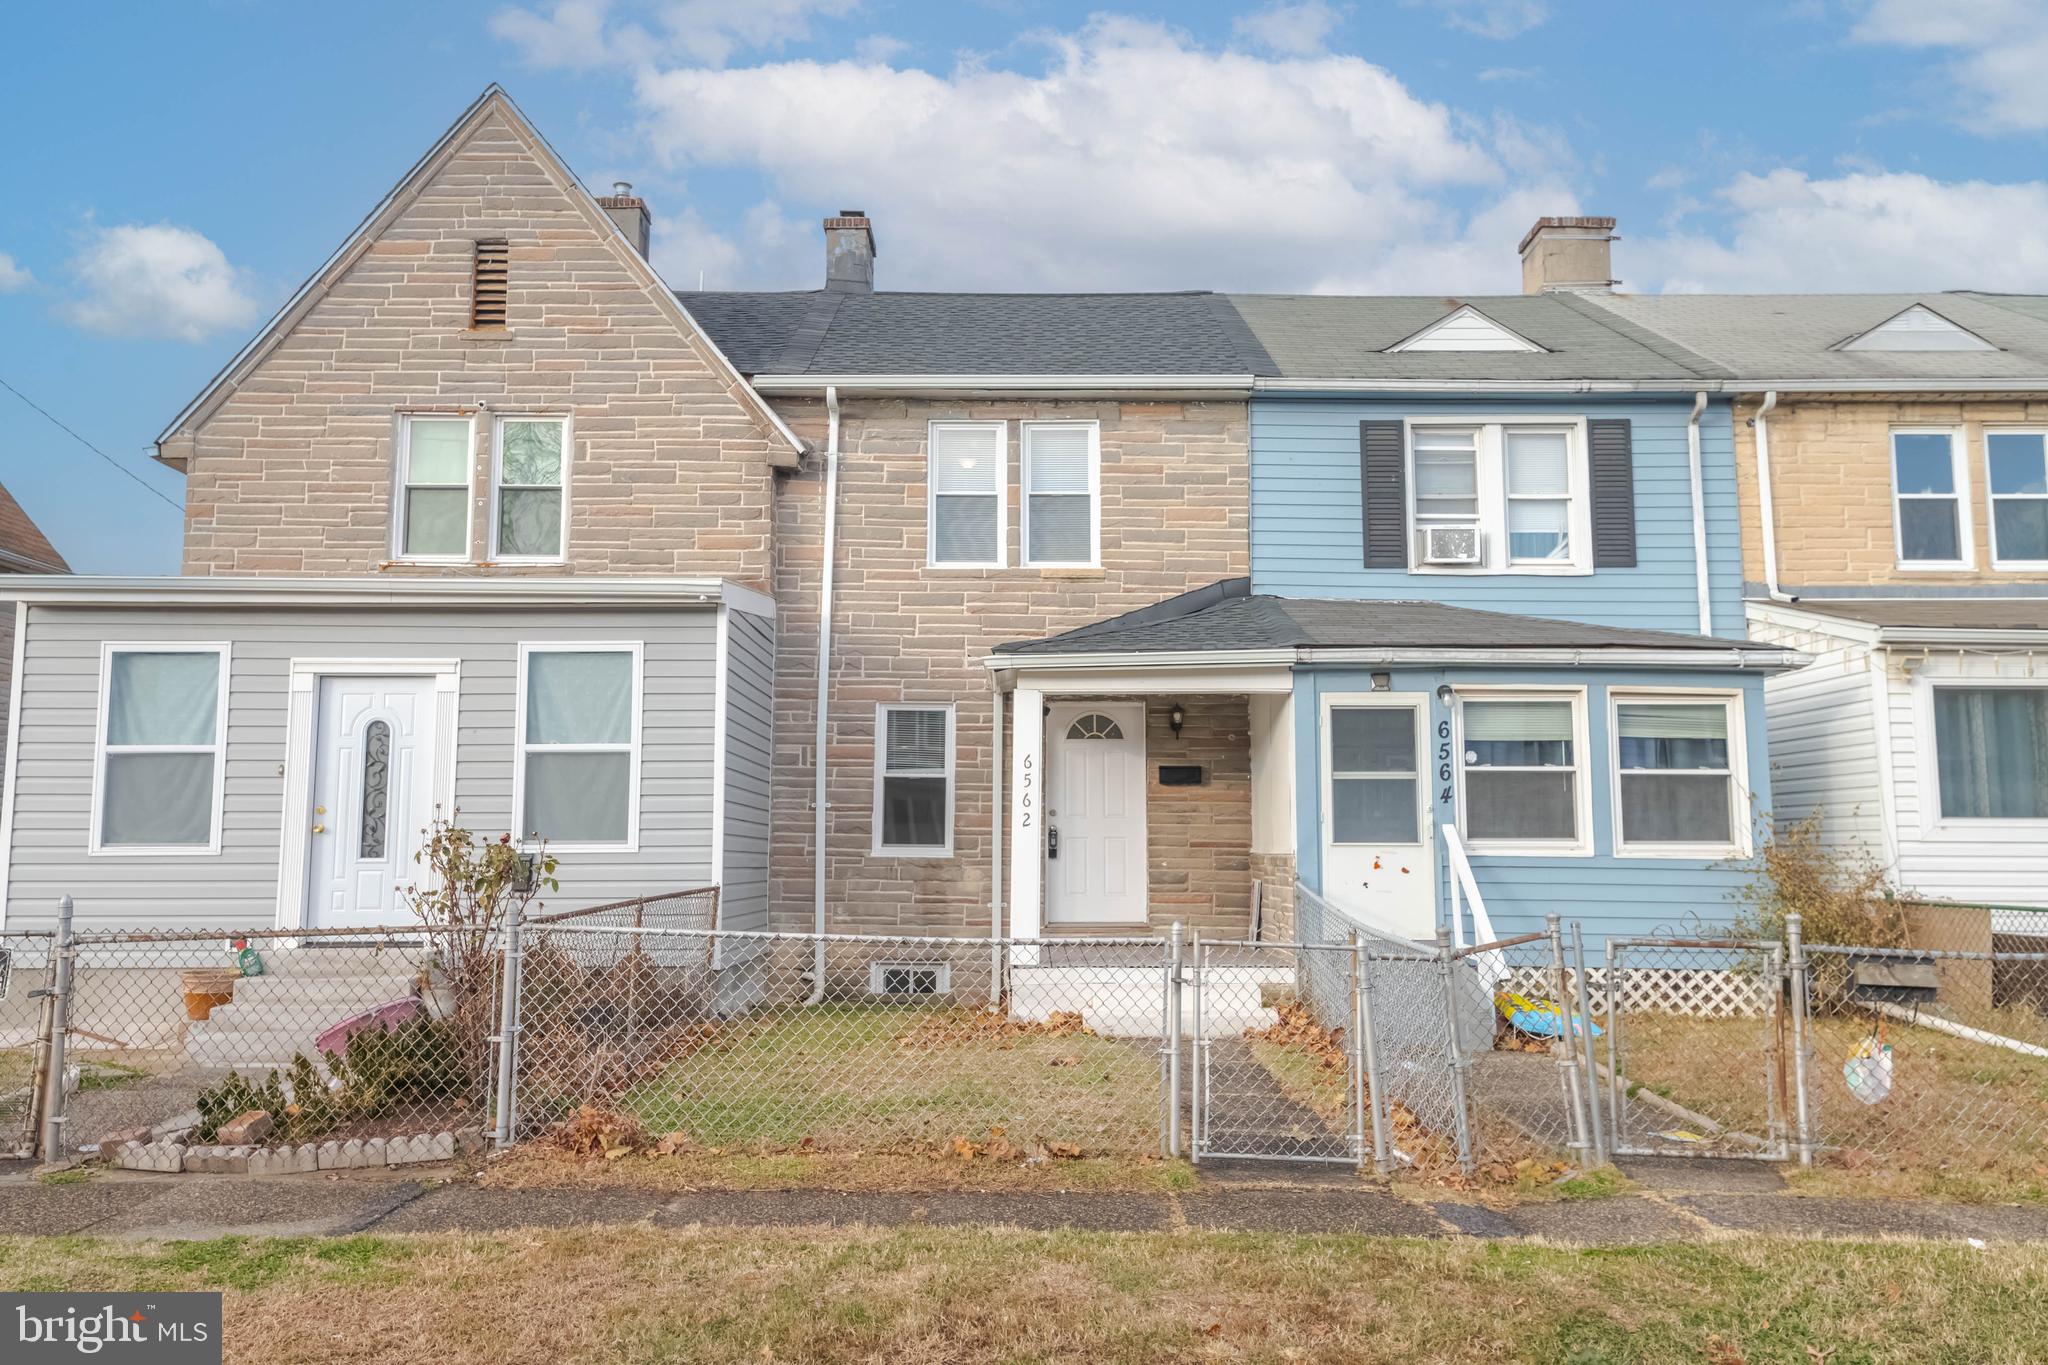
(1226, 616)
(1795, 336)
(1937, 613)
(825, 332)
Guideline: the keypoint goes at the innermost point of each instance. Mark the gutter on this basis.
(1211, 385)
(1699, 512)
(199, 590)
(819, 807)
(1408, 656)
(1763, 487)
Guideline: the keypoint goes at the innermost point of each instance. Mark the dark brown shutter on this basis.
(490, 279)
(1383, 489)
(1612, 444)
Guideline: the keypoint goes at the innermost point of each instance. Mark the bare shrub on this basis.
(1838, 894)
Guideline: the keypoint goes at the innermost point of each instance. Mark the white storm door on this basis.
(1095, 814)
(373, 768)
(1379, 860)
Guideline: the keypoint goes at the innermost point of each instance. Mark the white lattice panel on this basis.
(1705, 992)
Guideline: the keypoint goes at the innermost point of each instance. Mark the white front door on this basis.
(1095, 813)
(373, 769)
(1379, 853)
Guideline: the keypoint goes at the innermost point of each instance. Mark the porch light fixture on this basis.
(1444, 694)
(1382, 682)
(1177, 717)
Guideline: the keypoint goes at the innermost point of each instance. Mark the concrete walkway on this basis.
(1685, 1208)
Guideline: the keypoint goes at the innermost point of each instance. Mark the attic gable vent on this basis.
(489, 281)
(1918, 328)
(1467, 329)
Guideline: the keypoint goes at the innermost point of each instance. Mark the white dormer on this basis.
(1919, 328)
(1467, 329)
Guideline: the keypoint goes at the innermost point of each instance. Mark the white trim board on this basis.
(13, 758)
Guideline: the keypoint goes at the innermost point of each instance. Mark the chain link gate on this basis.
(1280, 1053)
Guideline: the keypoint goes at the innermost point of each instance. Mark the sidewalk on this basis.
(194, 1207)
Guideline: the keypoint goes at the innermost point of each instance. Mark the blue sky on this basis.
(1384, 145)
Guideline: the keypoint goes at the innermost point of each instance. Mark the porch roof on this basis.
(1229, 617)
(1933, 622)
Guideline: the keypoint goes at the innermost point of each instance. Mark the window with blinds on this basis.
(577, 784)
(965, 466)
(1521, 770)
(1061, 493)
(434, 456)
(1522, 487)
(914, 781)
(490, 282)
(1675, 774)
(158, 767)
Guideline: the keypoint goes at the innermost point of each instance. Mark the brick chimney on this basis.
(1568, 254)
(850, 253)
(629, 211)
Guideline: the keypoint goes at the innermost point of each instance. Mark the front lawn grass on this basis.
(641, 1294)
(897, 1077)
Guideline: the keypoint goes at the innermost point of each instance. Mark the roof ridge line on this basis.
(1703, 367)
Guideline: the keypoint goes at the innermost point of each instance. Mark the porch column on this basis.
(1027, 810)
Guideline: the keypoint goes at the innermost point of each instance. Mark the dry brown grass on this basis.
(929, 1294)
(541, 1167)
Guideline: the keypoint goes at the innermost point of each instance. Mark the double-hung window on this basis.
(161, 725)
(914, 781)
(1991, 752)
(577, 784)
(1676, 788)
(1061, 492)
(532, 463)
(1928, 484)
(1519, 487)
(433, 483)
(1521, 771)
(967, 469)
(2017, 466)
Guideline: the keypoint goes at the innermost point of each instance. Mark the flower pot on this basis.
(206, 987)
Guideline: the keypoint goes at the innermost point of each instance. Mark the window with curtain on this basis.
(1520, 771)
(2018, 466)
(914, 779)
(161, 737)
(1059, 492)
(433, 463)
(1991, 752)
(1677, 783)
(578, 746)
(532, 455)
(966, 470)
(1539, 495)
(1373, 775)
(1930, 507)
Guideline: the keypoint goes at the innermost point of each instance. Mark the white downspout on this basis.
(1699, 512)
(1763, 493)
(818, 807)
(997, 815)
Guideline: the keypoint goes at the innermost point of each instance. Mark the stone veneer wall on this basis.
(1831, 487)
(1174, 516)
(1275, 874)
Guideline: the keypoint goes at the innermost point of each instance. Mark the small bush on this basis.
(1838, 895)
(419, 1062)
(234, 1097)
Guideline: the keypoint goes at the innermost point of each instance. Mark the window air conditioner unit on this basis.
(1451, 544)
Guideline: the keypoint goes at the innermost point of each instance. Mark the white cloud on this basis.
(580, 34)
(880, 48)
(156, 281)
(1298, 30)
(12, 276)
(1855, 232)
(1133, 159)
(1992, 80)
(1491, 18)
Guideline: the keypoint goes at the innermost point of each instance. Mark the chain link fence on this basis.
(25, 961)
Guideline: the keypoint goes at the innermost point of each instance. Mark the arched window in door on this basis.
(1094, 725)
(376, 788)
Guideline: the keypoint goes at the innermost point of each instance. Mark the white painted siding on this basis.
(238, 888)
(1823, 740)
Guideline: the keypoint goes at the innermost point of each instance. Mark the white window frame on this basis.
(1932, 821)
(1740, 818)
(498, 484)
(401, 505)
(1491, 460)
(1024, 492)
(1425, 791)
(108, 649)
(883, 710)
(1581, 845)
(1992, 499)
(520, 748)
(1959, 466)
(1001, 493)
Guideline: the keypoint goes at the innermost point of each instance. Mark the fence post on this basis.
(1197, 1100)
(1461, 1115)
(1796, 965)
(1374, 1100)
(55, 1101)
(507, 1127)
(1570, 1081)
(1585, 1007)
(1610, 978)
(1174, 962)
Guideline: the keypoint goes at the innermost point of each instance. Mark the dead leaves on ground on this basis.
(998, 1147)
(955, 1028)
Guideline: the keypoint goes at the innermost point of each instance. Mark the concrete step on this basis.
(401, 959)
(265, 992)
